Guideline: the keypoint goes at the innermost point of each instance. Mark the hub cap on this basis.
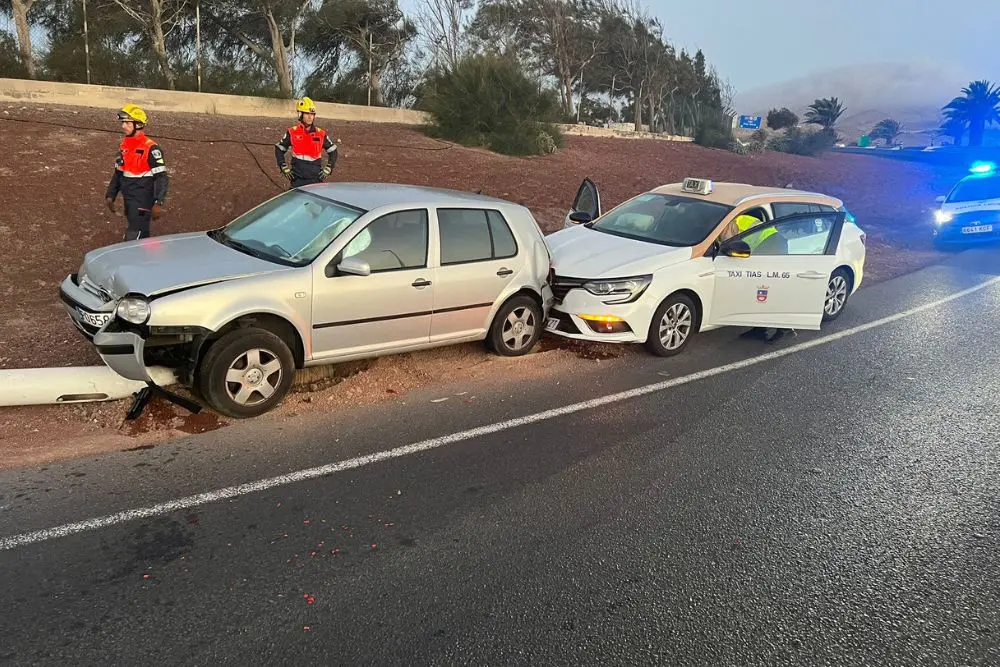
(675, 327)
(518, 328)
(253, 377)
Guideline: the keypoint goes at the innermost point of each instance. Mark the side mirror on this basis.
(939, 199)
(354, 267)
(581, 217)
(736, 248)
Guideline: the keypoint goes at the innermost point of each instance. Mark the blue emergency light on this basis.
(982, 167)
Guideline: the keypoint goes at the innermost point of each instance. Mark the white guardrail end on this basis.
(74, 384)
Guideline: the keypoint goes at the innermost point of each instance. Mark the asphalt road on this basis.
(835, 505)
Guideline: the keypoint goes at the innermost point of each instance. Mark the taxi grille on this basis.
(561, 286)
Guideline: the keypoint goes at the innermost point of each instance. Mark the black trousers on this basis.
(138, 213)
(296, 181)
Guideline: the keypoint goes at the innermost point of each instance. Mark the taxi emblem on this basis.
(762, 293)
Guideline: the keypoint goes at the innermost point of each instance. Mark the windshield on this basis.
(664, 219)
(293, 228)
(976, 189)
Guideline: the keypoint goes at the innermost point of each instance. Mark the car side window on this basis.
(803, 236)
(394, 242)
(473, 235)
(783, 209)
(732, 229)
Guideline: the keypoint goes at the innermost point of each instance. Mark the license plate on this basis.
(95, 319)
(552, 324)
(977, 229)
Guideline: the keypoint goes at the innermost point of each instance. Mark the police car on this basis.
(970, 213)
(671, 262)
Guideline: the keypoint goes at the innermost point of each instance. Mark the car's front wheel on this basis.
(672, 326)
(246, 372)
(516, 327)
(837, 291)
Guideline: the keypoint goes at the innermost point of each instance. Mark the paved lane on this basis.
(834, 506)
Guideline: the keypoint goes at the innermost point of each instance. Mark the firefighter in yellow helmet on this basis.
(140, 174)
(307, 144)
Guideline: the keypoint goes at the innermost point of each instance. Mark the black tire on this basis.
(530, 315)
(229, 351)
(840, 284)
(653, 342)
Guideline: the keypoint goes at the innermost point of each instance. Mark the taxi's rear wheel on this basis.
(246, 372)
(672, 326)
(837, 292)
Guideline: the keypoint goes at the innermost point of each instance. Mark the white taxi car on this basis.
(970, 213)
(685, 257)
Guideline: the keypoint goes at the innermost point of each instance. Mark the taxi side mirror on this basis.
(939, 199)
(581, 217)
(736, 248)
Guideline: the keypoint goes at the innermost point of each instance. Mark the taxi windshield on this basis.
(976, 189)
(664, 219)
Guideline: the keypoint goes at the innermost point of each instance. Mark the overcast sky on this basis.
(770, 41)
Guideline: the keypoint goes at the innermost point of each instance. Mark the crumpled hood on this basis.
(584, 253)
(167, 263)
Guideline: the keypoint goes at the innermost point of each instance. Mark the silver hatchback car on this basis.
(319, 274)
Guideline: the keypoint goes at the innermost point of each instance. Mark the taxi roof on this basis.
(733, 194)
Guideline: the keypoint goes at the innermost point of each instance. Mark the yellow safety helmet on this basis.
(305, 105)
(133, 113)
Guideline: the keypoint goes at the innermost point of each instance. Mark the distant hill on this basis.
(911, 93)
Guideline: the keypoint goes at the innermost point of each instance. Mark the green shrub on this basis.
(714, 130)
(488, 101)
(802, 142)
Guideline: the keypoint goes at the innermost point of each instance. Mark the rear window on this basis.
(976, 189)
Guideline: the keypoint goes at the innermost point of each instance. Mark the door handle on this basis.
(504, 272)
(812, 275)
(420, 282)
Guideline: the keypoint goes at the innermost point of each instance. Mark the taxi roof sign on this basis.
(698, 186)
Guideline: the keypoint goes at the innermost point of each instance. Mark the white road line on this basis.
(97, 523)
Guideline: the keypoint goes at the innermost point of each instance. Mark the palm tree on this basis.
(979, 106)
(887, 129)
(953, 127)
(825, 112)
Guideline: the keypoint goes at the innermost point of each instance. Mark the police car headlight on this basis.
(941, 217)
(624, 290)
(134, 310)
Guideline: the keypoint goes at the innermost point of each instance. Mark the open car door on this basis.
(586, 206)
(776, 274)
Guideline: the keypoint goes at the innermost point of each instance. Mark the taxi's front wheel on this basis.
(672, 326)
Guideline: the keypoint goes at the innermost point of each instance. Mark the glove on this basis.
(286, 172)
(156, 211)
(326, 171)
(110, 203)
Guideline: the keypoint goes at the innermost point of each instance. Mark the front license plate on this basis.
(552, 324)
(95, 319)
(977, 229)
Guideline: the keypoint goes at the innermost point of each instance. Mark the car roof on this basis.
(733, 194)
(371, 196)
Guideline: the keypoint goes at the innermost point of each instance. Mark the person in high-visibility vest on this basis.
(307, 144)
(743, 223)
(140, 175)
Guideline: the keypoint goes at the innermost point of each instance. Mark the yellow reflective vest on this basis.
(745, 222)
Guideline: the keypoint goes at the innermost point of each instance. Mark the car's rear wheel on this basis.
(516, 327)
(672, 326)
(246, 372)
(837, 292)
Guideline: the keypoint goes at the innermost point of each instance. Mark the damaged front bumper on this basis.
(126, 349)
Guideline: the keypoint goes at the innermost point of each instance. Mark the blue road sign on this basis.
(750, 122)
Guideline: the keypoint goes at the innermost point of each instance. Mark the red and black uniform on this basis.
(141, 176)
(307, 143)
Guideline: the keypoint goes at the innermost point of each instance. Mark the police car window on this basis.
(806, 236)
(293, 228)
(976, 189)
(393, 242)
(664, 219)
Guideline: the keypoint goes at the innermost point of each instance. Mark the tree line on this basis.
(607, 60)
